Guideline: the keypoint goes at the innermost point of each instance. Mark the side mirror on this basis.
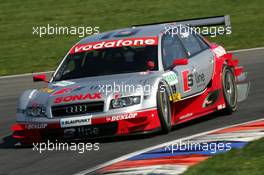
(40, 77)
(181, 61)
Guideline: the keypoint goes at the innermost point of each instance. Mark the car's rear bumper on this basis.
(117, 125)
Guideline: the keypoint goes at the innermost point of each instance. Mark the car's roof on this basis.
(132, 32)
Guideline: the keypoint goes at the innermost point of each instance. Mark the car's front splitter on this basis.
(105, 126)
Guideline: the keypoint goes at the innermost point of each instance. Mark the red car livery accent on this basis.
(71, 98)
(66, 90)
(62, 91)
(185, 75)
(115, 43)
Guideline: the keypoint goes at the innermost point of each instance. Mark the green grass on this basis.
(23, 52)
(249, 160)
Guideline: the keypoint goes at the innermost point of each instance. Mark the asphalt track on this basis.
(27, 161)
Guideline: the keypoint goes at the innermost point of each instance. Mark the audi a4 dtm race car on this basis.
(133, 80)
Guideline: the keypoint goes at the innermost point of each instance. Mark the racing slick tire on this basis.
(229, 90)
(164, 108)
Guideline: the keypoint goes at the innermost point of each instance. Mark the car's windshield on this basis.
(107, 62)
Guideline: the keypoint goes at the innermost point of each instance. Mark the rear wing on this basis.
(223, 20)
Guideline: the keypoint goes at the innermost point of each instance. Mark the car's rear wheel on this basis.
(164, 108)
(229, 90)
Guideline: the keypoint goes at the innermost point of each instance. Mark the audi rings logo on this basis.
(76, 109)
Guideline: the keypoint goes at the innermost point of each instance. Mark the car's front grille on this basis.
(76, 109)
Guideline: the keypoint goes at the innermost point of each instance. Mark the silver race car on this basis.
(134, 80)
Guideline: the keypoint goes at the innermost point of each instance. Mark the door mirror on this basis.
(40, 77)
(180, 61)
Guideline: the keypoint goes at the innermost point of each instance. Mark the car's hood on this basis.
(91, 88)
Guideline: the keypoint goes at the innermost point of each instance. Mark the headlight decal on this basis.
(36, 110)
(124, 102)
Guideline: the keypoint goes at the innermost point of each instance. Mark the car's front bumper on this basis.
(105, 126)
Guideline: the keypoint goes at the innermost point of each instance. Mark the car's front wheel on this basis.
(164, 108)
